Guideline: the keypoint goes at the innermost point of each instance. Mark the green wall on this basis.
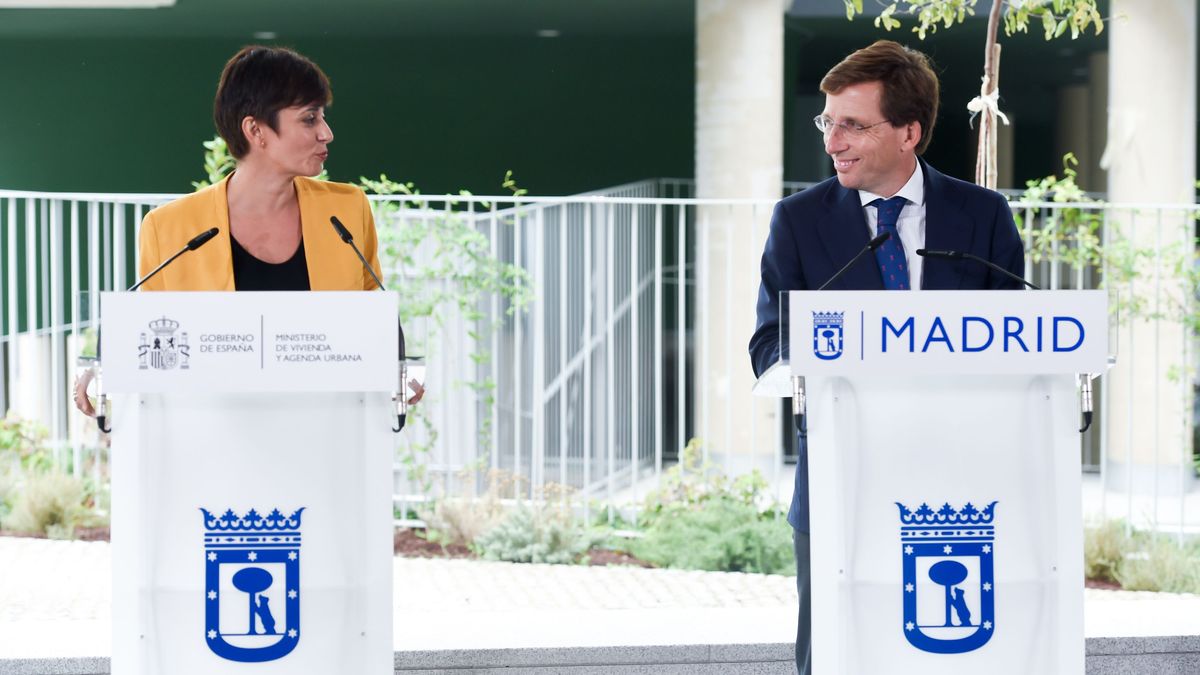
(566, 115)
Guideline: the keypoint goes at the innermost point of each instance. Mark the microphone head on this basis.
(341, 229)
(928, 253)
(878, 240)
(201, 239)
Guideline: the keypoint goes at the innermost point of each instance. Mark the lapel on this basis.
(320, 239)
(843, 234)
(947, 228)
(218, 254)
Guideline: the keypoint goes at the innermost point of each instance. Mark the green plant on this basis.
(7, 494)
(1141, 561)
(462, 519)
(545, 531)
(53, 504)
(1071, 235)
(218, 163)
(23, 445)
(725, 535)
(700, 519)
(694, 481)
(1104, 548)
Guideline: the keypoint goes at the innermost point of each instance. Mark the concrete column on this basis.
(739, 154)
(1098, 116)
(1073, 131)
(1151, 157)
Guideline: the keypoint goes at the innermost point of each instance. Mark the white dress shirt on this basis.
(910, 226)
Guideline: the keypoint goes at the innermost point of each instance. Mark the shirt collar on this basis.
(913, 190)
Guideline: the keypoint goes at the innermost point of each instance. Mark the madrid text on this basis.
(977, 334)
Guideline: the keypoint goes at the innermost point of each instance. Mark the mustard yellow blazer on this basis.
(332, 265)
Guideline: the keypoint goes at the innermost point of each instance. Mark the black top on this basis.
(252, 274)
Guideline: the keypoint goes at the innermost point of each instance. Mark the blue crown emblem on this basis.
(252, 521)
(252, 568)
(947, 515)
(949, 590)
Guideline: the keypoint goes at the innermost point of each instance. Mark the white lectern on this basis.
(251, 481)
(944, 459)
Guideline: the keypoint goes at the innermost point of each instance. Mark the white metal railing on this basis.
(597, 384)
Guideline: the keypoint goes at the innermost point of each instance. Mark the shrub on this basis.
(701, 519)
(23, 444)
(1141, 561)
(725, 535)
(461, 520)
(546, 531)
(1158, 563)
(1104, 548)
(53, 504)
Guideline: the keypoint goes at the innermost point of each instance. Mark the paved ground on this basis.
(55, 600)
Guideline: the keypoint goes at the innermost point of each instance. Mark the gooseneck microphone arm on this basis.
(799, 402)
(871, 246)
(346, 237)
(195, 243)
(102, 398)
(959, 255)
(400, 399)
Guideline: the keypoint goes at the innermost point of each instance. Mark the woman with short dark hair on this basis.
(272, 218)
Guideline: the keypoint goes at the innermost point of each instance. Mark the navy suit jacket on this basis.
(817, 231)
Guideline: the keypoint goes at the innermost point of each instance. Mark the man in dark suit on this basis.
(881, 103)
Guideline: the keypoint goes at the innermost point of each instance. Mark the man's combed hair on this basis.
(259, 82)
(910, 87)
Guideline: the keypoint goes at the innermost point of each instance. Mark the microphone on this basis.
(400, 399)
(959, 255)
(345, 236)
(195, 243)
(871, 246)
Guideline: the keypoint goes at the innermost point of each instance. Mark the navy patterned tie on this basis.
(890, 254)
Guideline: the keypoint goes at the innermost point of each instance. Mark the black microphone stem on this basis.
(193, 244)
(349, 239)
(956, 255)
(156, 270)
(871, 246)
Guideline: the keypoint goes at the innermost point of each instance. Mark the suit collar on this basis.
(220, 251)
(947, 228)
(843, 233)
(319, 236)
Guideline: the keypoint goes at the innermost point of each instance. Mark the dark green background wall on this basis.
(566, 115)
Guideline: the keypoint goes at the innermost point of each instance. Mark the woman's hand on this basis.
(82, 402)
(418, 389)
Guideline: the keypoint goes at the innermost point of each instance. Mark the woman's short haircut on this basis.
(259, 82)
(910, 87)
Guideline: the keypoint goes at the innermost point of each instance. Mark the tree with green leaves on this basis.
(1056, 18)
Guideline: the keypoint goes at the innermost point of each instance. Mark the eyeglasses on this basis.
(827, 126)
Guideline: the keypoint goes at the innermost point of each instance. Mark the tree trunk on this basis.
(985, 159)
